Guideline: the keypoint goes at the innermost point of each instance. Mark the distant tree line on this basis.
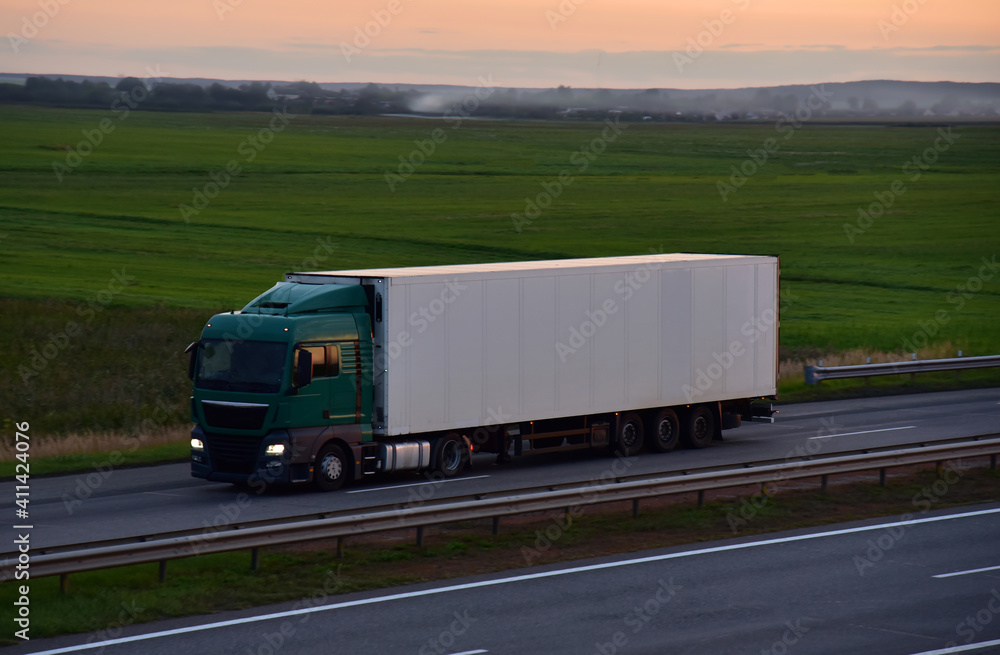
(559, 103)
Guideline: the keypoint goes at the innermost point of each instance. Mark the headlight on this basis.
(197, 444)
(275, 449)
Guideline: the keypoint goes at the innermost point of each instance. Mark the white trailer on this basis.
(569, 353)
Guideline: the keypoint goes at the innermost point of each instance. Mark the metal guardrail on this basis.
(816, 374)
(154, 549)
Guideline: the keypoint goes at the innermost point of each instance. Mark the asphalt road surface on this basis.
(926, 583)
(106, 503)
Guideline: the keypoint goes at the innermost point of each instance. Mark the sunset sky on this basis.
(525, 43)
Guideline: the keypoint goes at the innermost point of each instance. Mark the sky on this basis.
(509, 43)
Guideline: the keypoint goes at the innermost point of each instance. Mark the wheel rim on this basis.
(629, 435)
(666, 431)
(332, 467)
(451, 456)
(700, 428)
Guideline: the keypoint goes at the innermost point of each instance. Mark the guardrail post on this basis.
(993, 461)
(881, 477)
(340, 547)
(420, 535)
(701, 498)
(254, 559)
(822, 483)
(163, 570)
(496, 525)
(635, 508)
(63, 583)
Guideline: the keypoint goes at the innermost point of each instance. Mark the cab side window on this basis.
(325, 360)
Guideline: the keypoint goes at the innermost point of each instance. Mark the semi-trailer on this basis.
(330, 377)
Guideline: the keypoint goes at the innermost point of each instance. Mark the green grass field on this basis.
(108, 249)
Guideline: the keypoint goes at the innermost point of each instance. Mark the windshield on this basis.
(232, 365)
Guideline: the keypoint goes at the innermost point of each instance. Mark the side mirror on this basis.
(192, 353)
(303, 368)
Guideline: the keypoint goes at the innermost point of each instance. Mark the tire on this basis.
(332, 468)
(628, 437)
(449, 455)
(665, 431)
(699, 428)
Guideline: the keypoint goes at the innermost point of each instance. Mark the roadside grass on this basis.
(103, 602)
(89, 452)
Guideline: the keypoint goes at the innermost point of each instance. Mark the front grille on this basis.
(234, 416)
(232, 454)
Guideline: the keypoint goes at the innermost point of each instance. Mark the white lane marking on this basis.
(846, 434)
(470, 652)
(952, 575)
(517, 578)
(415, 484)
(961, 649)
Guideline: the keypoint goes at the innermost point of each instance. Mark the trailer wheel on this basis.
(700, 427)
(449, 455)
(332, 468)
(665, 433)
(628, 440)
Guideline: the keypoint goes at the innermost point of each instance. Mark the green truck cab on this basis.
(282, 388)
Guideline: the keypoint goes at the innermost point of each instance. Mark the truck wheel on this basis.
(331, 469)
(700, 427)
(665, 433)
(449, 456)
(628, 440)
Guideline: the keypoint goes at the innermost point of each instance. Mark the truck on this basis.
(331, 377)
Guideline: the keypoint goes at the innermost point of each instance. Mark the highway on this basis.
(108, 503)
(905, 585)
